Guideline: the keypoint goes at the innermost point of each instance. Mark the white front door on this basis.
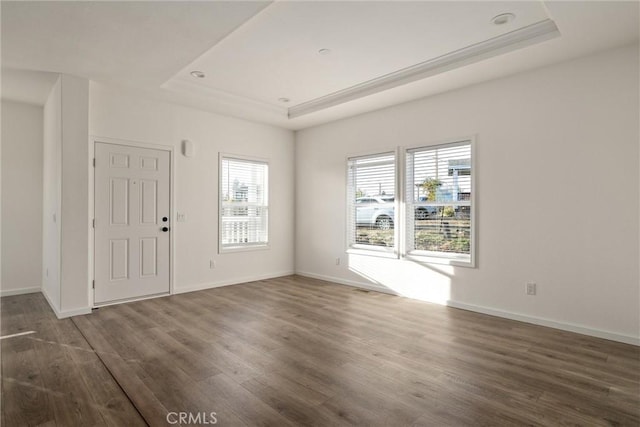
(132, 222)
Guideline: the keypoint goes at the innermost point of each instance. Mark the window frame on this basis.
(222, 249)
(381, 251)
(428, 257)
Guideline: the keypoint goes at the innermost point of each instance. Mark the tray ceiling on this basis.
(301, 51)
(257, 55)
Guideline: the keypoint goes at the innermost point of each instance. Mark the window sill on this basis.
(434, 259)
(233, 249)
(376, 252)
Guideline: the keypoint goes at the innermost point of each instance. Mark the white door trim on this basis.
(91, 249)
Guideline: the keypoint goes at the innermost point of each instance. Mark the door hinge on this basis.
(93, 223)
(94, 284)
(94, 162)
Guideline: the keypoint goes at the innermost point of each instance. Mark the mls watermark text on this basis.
(196, 418)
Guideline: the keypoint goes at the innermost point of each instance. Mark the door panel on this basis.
(131, 199)
(148, 257)
(149, 163)
(148, 201)
(119, 259)
(119, 201)
(119, 160)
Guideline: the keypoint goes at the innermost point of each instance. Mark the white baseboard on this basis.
(355, 284)
(234, 281)
(51, 304)
(75, 312)
(627, 339)
(65, 313)
(613, 336)
(21, 291)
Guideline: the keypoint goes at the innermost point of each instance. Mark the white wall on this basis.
(74, 200)
(21, 198)
(117, 113)
(65, 215)
(52, 157)
(557, 195)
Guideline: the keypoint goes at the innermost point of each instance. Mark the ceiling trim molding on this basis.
(205, 93)
(531, 34)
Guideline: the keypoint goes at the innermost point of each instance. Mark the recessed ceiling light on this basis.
(284, 100)
(503, 18)
(198, 74)
(324, 51)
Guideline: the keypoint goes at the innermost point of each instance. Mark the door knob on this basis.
(165, 229)
(165, 219)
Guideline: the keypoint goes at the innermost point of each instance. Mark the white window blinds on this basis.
(371, 201)
(438, 201)
(244, 203)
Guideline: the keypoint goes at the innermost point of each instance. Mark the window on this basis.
(370, 201)
(434, 192)
(438, 197)
(244, 206)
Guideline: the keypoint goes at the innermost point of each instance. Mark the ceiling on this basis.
(32, 87)
(268, 62)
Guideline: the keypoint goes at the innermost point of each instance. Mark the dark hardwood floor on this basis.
(53, 377)
(298, 351)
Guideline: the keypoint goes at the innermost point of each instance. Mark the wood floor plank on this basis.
(290, 404)
(303, 393)
(221, 356)
(24, 405)
(244, 405)
(191, 362)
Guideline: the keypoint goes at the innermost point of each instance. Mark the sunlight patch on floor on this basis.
(17, 335)
(405, 278)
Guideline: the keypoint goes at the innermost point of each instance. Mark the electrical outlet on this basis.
(212, 264)
(337, 261)
(181, 217)
(531, 288)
